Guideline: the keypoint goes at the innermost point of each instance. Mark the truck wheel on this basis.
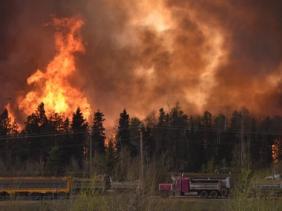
(203, 194)
(213, 194)
(224, 193)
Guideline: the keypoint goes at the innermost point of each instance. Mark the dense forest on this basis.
(54, 145)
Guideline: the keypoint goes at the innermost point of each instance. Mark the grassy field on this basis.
(112, 205)
(125, 202)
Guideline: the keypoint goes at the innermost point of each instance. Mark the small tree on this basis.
(110, 158)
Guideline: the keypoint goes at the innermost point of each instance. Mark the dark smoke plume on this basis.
(141, 55)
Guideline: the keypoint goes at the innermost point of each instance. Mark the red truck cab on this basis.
(180, 186)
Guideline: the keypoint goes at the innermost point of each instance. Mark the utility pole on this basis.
(141, 176)
(90, 154)
(242, 141)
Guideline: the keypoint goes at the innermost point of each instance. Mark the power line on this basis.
(88, 132)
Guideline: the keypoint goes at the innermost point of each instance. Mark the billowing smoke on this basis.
(141, 55)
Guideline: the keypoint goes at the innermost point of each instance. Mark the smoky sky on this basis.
(207, 55)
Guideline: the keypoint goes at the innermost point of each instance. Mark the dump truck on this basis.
(38, 188)
(204, 187)
(35, 187)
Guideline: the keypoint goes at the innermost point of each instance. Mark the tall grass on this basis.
(242, 198)
(245, 198)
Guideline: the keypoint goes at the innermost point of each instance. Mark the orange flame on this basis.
(10, 112)
(12, 117)
(276, 150)
(53, 87)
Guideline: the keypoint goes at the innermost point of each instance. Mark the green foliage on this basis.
(242, 184)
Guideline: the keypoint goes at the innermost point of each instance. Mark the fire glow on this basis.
(53, 87)
(213, 56)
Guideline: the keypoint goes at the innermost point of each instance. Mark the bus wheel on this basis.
(35, 196)
(4, 196)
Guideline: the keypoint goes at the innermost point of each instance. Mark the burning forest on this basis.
(52, 87)
(95, 85)
(217, 56)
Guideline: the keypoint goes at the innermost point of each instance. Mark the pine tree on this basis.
(161, 133)
(123, 145)
(79, 128)
(222, 147)
(134, 132)
(58, 152)
(123, 136)
(5, 129)
(163, 118)
(5, 123)
(178, 124)
(66, 142)
(36, 125)
(98, 134)
(207, 138)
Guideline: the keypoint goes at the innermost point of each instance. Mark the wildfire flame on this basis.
(53, 87)
(276, 150)
(11, 113)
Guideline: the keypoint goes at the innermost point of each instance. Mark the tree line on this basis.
(174, 139)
